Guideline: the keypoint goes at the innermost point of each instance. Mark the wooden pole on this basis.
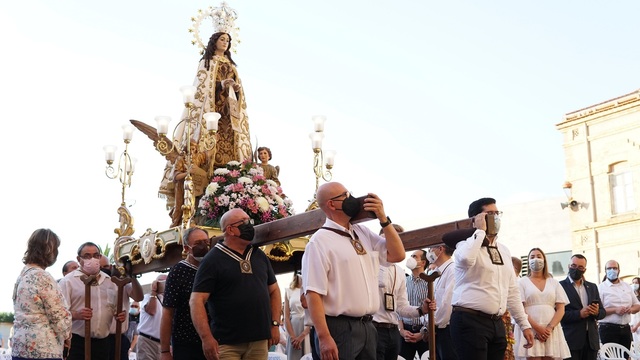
(88, 281)
(120, 282)
(432, 325)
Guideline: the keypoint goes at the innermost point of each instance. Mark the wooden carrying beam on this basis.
(305, 224)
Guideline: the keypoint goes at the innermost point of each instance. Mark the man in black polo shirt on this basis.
(237, 281)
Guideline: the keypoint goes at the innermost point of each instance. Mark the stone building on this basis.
(602, 152)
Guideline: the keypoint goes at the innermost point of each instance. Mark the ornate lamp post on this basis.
(319, 157)
(181, 143)
(124, 172)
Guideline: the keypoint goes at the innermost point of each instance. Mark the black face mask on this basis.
(106, 271)
(199, 250)
(351, 206)
(246, 231)
(575, 274)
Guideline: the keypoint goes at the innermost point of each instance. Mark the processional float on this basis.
(283, 240)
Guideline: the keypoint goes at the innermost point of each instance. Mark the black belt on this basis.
(149, 337)
(411, 327)
(384, 325)
(619, 326)
(493, 317)
(365, 318)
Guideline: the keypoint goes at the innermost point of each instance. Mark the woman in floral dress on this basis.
(42, 322)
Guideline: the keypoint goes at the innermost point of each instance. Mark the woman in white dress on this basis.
(635, 318)
(544, 300)
(294, 320)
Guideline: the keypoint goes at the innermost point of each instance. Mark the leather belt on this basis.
(149, 337)
(493, 317)
(619, 326)
(384, 325)
(364, 318)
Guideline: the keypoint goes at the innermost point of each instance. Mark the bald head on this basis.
(232, 216)
(104, 261)
(328, 191)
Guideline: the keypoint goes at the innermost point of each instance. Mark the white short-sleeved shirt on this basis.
(615, 295)
(347, 281)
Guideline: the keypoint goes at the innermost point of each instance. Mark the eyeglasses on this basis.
(242, 222)
(90, 256)
(498, 213)
(346, 194)
(581, 268)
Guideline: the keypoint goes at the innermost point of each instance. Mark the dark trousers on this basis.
(389, 341)
(586, 353)
(355, 339)
(408, 350)
(477, 337)
(125, 344)
(99, 348)
(187, 352)
(315, 354)
(613, 333)
(444, 345)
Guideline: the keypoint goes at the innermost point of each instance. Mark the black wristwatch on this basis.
(275, 323)
(386, 223)
(420, 311)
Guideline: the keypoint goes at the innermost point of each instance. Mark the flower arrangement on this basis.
(243, 185)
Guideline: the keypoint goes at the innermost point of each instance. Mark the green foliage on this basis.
(6, 317)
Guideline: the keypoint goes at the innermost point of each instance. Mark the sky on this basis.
(430, 105)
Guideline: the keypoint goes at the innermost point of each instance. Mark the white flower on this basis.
(271, 183)
(263, 204)
(278, 199)
(233, 163)
(245, 180)
(211, 188)
(221, 171)
(255, 171)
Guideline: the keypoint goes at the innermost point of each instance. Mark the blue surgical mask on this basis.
(612, 274)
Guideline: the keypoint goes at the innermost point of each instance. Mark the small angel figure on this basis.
(270, 172)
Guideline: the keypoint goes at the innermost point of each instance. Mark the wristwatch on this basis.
(386, 223)
(275, 323)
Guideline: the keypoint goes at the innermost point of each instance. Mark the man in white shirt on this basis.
(619, 303)
(103, 304)
(339, 274)
(440, 255)
(148, 346)
(485, 288)
(393, 301)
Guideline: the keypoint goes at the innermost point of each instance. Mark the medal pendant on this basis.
(357, 245)
(245, 267)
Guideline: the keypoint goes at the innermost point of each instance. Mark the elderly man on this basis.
(237, 282)
(619, 303)
(101, 312)
(485, 288)
(340, 273)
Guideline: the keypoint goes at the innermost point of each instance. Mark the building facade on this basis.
(602, 153)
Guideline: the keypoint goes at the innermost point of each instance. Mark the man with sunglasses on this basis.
(340, 274)
(237, 282)
(485, 287)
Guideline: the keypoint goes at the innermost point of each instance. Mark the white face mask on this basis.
(536, 264)
(635, 287)
(411, 263)
(91, 266)
(431, 256)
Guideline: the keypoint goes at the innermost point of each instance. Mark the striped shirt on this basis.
(416, 293)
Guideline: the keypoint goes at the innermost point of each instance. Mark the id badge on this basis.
(389, 305)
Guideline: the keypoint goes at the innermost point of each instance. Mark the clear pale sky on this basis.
(429, 104)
